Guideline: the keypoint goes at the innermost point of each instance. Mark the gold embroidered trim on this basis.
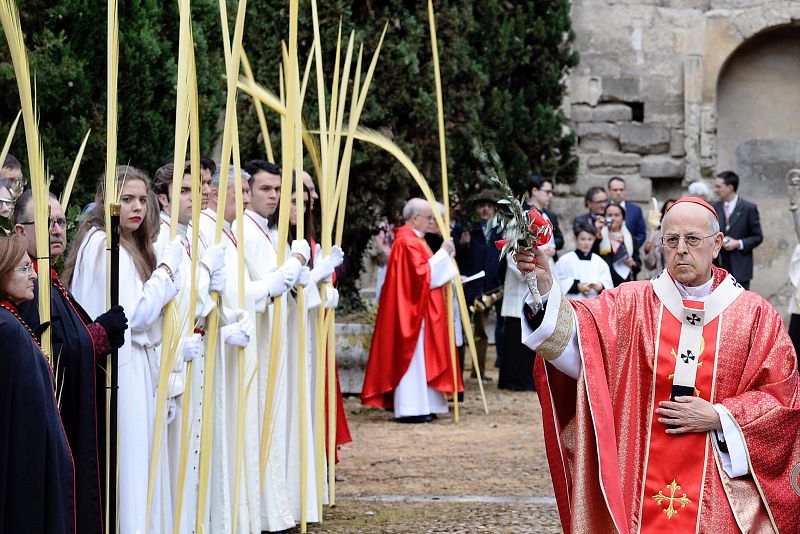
(552, 347)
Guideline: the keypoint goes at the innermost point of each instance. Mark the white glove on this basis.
(291, 269)
(323, 269)
(278, 282)
(332, 300)
(192, 347)
(304, 277)
(173, 254)
(337, 255)
(218, 280)
(173, 258)
(301, 246)
(214, 258)
(240, 332)
(172, 408)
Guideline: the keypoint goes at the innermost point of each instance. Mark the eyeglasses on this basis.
(61, 223)
(25, 269)
(599, 201)
(691, 240)
(9, 201)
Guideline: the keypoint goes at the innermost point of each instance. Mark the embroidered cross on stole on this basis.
(684, 365)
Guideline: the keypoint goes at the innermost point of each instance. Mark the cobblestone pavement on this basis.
(488, 473)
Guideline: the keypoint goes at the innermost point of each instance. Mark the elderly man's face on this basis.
(690, 265)
(57, 230)
(422, 219)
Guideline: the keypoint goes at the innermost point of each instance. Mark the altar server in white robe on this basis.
(227, 391)
(261, 261)
(211, 276)
(581, 273)
(144, 290)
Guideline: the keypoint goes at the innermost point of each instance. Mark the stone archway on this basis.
(758, 136)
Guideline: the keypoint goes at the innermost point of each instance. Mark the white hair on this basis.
(412, 207)
(699, 189)
(215, 178)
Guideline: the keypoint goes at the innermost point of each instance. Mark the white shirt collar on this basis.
(699, 293)
(731, 203)
(419, 234)
(262, 221)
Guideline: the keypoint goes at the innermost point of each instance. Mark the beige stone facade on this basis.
(673, 91)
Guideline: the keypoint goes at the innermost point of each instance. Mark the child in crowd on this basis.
(582, 274)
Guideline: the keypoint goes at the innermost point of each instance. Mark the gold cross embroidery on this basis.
(670, 510)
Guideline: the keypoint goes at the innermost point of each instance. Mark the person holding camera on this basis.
(617, 246)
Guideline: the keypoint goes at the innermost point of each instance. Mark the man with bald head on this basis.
(672, 403)
(409, 367)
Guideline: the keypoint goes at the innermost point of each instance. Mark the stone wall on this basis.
(644, 105)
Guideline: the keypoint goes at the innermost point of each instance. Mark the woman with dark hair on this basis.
(618, 247)
(36, 469)
(144, 291)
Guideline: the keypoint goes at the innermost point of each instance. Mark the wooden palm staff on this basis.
(173, 329)
(448, 296)
(233, 53)
(188, 414)
(111, 195)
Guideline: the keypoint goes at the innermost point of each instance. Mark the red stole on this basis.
(676, 464)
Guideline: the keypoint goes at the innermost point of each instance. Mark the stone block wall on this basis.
(643, 103)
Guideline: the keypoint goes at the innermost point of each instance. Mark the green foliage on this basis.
(66, 41)
(503, 65)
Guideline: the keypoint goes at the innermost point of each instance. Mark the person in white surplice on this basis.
(143, 292)
(261, 261)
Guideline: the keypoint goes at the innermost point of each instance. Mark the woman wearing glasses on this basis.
(618, 247)
(36, 470)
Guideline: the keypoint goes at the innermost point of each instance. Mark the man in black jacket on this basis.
(739, 221)
(540, 193)
(475, 252)
(79, 348)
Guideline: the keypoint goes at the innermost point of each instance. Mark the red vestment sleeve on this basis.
(766, 406)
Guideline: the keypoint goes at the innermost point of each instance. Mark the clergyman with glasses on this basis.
(409, 367)
(660, 395)
(80, 345)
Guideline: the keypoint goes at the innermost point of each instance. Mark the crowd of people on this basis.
(614, 243)
(52, 456)
(668, 403)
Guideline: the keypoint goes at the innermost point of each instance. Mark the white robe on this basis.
(227, 398)
(260, 260)
(412, 395)
(570, 269)
(138, 363)
(294, 360)
(195, 382)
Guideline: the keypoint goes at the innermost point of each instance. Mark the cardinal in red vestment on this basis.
(409, 367)
(670, 405)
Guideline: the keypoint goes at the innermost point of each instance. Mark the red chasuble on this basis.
(407, 300)
(613, 466)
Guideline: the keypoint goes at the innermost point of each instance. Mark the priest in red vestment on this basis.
(409, 367)
(670, 405)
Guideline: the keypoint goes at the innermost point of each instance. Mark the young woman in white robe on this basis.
(144, 290)
(581, 274)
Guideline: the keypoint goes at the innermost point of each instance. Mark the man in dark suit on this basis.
(634, 220)
(475, 252)
(540, 193)
(596, 200)
(739, 221)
